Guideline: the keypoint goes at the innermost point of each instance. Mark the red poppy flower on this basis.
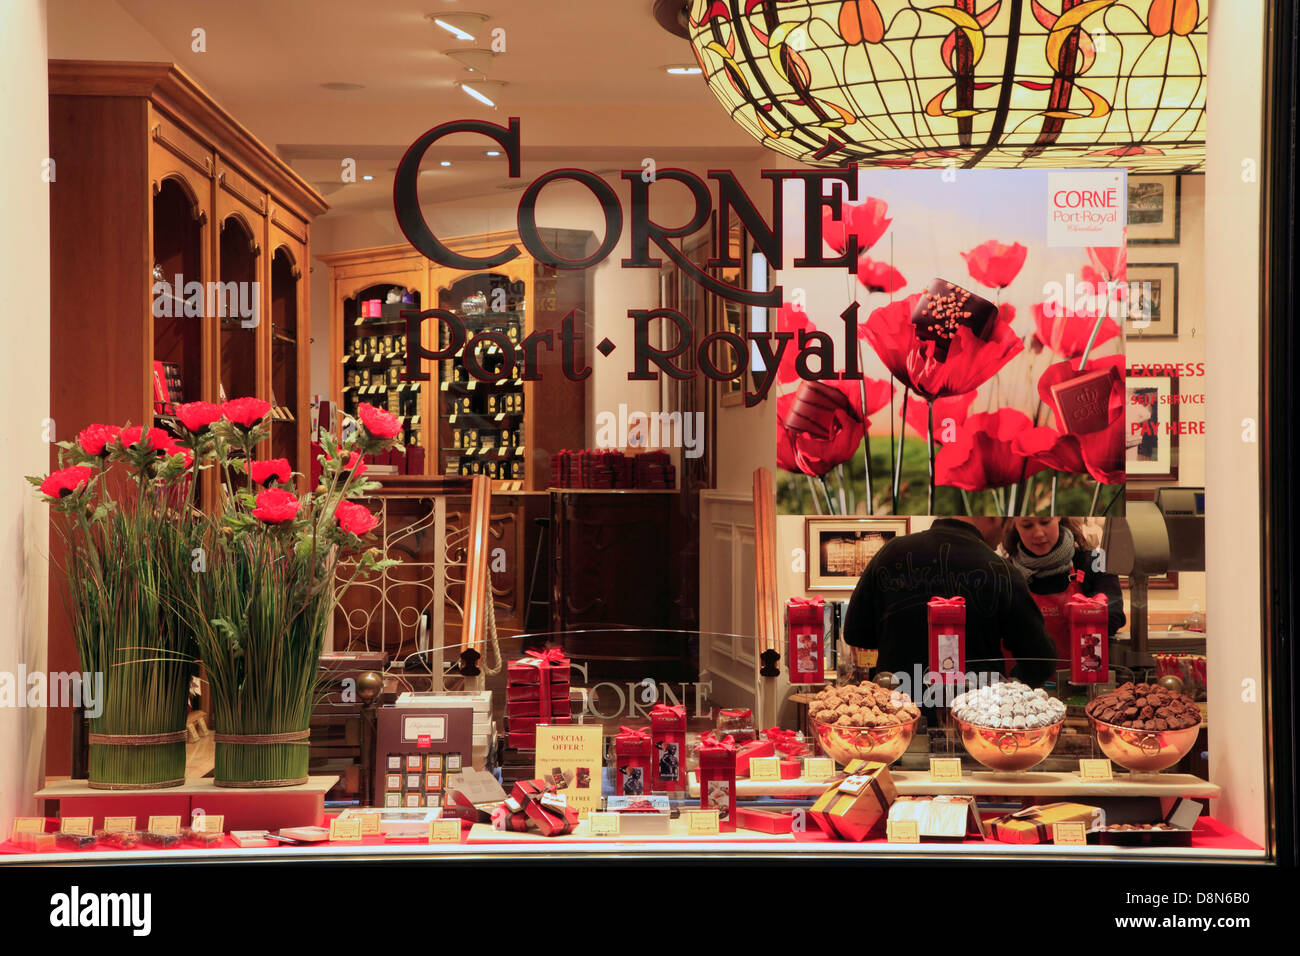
(355, 463)
(197, 416)
(1067, 333)
(879, 276)
(791, 319)
(154, 438)
(1110, 261)
(831, 433)
(971, 361)
(355, 518)
(954, 407)
(245, 412)
(865, 220)
(984, 455)
(378, 422)
(274, 469)
(95, 439)
(66, 481)
(1053, 449)
(1102, 450)
(994, 264)
(175, 448)
(275, 506)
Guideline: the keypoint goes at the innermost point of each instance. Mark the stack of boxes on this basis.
(479, 703)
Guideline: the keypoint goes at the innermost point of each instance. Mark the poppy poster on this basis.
(991, 308)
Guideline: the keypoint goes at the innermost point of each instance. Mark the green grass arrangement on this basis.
(124, 503)
(263, 592)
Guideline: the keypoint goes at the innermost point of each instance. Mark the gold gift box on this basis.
(1034, 825)
(853, 807)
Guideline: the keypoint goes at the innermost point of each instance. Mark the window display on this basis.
(826, 482)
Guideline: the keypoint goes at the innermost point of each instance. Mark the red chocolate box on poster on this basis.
(668, 737)
(1089, 647)
(947, 634)
(633, 761)
(717, 774)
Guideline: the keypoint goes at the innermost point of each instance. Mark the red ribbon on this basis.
(1083, 601)
(805, 602)
(536, 658)
(711, 743)
(633, 735)
(937, 601)
(544, 661)
(742, 712)
(663, 710)
(786, 741)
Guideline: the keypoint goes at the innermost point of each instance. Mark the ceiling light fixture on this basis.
(492, 152)
(463, 26)
(476, 61)
(683, 69)
(481, 89)
(367, 178)
(444, 162)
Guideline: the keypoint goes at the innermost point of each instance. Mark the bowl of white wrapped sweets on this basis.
(1008, 726)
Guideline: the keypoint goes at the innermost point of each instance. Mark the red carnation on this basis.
(175, 448)
(865, 220)
(155, 438)
(197, 416)
(971, 361)
(275, 506)
(354, 518)
(66, 481)
(95, 439)
(245, 412)
(879, 276)
(379, 423)
(1102, 451)
(994, 264)
(985, 454)
(265, 472)
(1067, 333)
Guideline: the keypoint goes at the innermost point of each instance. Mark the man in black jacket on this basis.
(888, 611)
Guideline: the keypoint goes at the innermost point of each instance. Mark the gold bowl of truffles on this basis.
(1008, 726)
(1009, 750)
(1145, 728)
(863, 722)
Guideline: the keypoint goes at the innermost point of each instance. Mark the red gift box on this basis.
(1089, 648)
(717, 774)
(765, 821)
(545, 669)
(521, 739)
(806, 652)
(552, 818)
(528, 725)
(668, 737)
(533, 708)
(947, 626)
(755, 748)
(523, 693)
(525, 792)
(633, 761)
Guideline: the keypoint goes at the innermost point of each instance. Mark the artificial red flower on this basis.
(66, 481)
(378, 422)
(175, 448)
(994, 264)
(274, 469)
(95, 439)
(950, 407)
(865, 220)
(197, 416)
(971, 361)
(245, 412)
(1103, 450)
(794, 320)
(879, 276)
(1067, 333)
(355, 463)
(155, 438)
(984, 454)
(275, 506)
(355, 518)
(831, 433)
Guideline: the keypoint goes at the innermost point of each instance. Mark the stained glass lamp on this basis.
(993, 83)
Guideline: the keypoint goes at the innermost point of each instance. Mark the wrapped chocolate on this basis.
(806, 656)
(944, 308)
(717, 775)
(551, 814)
(668, 737)
(633, 761)
(947, 629)
(1089, 647)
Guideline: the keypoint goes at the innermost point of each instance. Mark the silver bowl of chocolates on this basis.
(1008, 726)
(863, 722)
(1145, 728)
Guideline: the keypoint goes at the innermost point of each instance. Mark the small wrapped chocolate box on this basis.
(854, 806)
(1034, 824)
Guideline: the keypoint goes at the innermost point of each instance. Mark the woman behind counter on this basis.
(1056, 558)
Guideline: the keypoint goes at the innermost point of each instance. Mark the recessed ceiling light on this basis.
(481, 90)
(445, 162)
(463, 26)
(367, 178)
(476, 61)
(343, 87)
(492, 152)
(683, 69)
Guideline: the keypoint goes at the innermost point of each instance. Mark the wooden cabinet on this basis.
(166, 213)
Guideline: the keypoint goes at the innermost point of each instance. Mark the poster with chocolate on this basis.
(569, 758)
(976, 357)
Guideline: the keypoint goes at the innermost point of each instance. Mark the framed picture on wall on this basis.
(1153, 210)
(1153, 300)
(1151, 433)
(839, 549)
(1160, 582)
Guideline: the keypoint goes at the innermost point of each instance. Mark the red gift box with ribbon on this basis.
(528, 725)
(717, 775)
(668, 738)
(790, 749)
(546, 669)
(1089, 648)
(806, 653)
(947, 626)
(633, 761)
(532, 693)
(755, 748)
(739, 723)
(551, 814)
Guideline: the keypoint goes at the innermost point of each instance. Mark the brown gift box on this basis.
(853, 807)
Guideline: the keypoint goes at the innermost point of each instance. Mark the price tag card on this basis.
(945, 768)
(209, 823)
(604, 824)
(119, 824)
(78, 826)
(702, 822)
(1094, 769)
(167, 824)
(345, 831)
(765, 768)
(902, 831)
(1069, 834)
(818, 768)
(444, 831)
(369, 822)
(27, 825)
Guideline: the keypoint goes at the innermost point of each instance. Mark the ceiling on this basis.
(586, 77)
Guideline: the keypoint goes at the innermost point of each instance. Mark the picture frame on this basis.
(838, 549)
(1164, 582)
(1154, 210)
(1155, 314)
(1151, 427)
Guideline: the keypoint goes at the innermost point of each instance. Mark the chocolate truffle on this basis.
(943, 308)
